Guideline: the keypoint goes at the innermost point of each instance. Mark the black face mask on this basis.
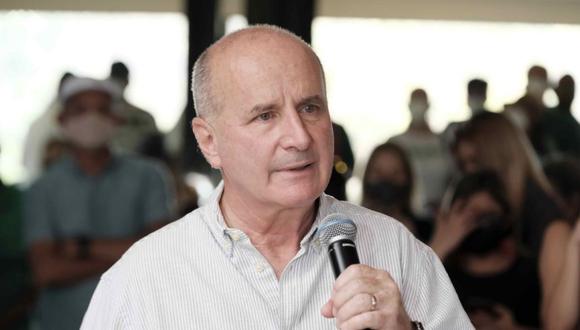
(387, 193)
(492, 229)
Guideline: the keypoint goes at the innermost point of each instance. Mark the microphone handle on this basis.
(342, 254)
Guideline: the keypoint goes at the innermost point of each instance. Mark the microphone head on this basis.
(336, 227)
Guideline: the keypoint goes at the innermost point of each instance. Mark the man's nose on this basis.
(295, 132)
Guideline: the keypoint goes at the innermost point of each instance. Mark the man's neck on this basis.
(92, 161)
(276, 233)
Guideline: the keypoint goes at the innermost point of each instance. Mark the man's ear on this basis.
(206, 139)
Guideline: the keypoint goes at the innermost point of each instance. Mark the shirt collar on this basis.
(227, 237)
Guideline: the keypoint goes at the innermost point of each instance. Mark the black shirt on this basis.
(517, 288)
(538, 211)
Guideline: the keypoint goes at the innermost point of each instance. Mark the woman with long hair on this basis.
(388, 186)
(490, 141)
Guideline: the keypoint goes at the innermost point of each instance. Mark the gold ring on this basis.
(373, 302)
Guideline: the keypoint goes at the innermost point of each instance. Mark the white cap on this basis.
(75, 85)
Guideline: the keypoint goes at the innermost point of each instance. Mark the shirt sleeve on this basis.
(427, 291)
(107, 309)
(37, 226)
(158, 195)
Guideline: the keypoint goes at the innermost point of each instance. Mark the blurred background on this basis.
(374, 54)
(415, 73)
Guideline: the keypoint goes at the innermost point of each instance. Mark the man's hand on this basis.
(353, 306)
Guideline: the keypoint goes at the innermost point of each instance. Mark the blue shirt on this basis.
(130, 194)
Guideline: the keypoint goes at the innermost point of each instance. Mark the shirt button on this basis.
(259, 268)
(235, 236)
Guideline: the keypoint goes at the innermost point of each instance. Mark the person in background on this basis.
(42, 130)
(527, 111)
(388, 186)
(564, 312)
(564, 175)
(136, 124)
(343, 164)
(16, 289)
(477, 96)
(426, 152)
(561, 130)
(497, 285)
(185, 195)
(491, 141)
(89, 207)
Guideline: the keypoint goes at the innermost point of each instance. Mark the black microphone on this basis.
(337, 233)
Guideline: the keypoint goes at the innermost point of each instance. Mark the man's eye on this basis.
(309, 108)
(265, 116)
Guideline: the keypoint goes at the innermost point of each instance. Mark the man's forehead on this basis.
(254, 44)
(258, 63)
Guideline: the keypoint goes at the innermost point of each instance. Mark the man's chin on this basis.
(298, 196)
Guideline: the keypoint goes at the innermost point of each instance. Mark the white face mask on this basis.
(89, 131)
(418, 110)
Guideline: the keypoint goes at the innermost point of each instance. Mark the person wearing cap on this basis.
(89, 207)
(251, 258)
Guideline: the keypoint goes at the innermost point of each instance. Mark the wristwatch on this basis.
(416, 325)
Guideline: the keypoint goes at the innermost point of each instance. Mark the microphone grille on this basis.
(335, 227)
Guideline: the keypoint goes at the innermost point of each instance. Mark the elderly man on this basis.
(89, 207)
(250, 259)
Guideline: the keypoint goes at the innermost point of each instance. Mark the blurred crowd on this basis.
(497, 197)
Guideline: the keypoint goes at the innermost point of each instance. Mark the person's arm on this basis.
(428, 287)
(502, 318)
(52, 268)
(109, 304)
(552, 262)
(109, 250)
(562, 311)
(60, 263)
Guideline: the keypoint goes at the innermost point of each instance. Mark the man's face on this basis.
(273, 133)
(388, 167)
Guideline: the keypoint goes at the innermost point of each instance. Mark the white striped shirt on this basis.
(198, 274)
